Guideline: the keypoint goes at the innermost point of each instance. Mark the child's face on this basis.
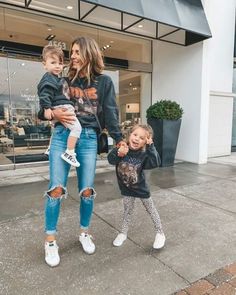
(138, 139)
(53, 65)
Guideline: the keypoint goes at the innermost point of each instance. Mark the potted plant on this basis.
(164, 117)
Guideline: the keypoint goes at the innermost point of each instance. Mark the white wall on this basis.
(177, 75)
(221, 17)
(199, 77)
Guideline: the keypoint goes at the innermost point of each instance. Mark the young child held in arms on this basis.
(130, 162)
(53, 92)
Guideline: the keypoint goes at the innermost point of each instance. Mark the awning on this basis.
(177, 21)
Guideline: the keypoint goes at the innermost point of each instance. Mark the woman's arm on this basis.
(110, 111)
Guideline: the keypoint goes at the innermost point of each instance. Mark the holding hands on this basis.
(123, 149)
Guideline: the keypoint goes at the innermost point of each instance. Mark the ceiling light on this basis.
(140, 26)
(69, 7)
(23, 64)
(50, 37)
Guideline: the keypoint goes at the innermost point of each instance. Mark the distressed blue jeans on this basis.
(86, 151)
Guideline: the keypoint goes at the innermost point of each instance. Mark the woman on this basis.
(92, 93)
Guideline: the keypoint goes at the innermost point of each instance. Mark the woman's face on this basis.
(75, 57)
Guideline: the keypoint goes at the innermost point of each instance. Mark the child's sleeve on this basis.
(112, 157)
(152, 159)
(46, 95)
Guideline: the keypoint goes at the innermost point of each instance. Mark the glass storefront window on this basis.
(24, 138)
(22, 135)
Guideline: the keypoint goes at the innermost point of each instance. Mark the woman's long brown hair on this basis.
(91, 58)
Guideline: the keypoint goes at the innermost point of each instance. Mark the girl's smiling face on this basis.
(138, 138)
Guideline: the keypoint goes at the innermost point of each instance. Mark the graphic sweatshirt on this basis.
(130, 170)
(96, 98)
(53, 91)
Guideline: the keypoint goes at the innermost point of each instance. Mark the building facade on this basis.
(148, 56)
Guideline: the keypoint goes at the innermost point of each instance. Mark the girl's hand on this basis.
(63, 115)
(122, 151)
(149, 141)
(48, 114)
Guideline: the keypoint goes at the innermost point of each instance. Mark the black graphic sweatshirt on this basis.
(130, 170)
(53, 91)
(96, 98)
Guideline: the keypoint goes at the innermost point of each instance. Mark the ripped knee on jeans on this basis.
(56, 192)
(88, 192)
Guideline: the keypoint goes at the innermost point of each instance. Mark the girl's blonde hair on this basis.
(91, 57)
(147, 128)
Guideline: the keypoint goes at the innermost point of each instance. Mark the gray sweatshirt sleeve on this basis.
(112, 157)
(110, 111)
(152, 159)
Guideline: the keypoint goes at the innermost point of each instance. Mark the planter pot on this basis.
(166, 134)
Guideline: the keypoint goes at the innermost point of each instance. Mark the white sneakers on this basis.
(119, 240)
(52, 257)
(70, 158)
(159, 241)
(87, 243)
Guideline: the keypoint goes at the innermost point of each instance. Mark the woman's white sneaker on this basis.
(52, 257)
(159, 241)
(87, 243)
(119, 240)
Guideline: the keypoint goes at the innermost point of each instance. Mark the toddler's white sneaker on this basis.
(159, 241)
(119, 240)
(71, 159)
(52, 257)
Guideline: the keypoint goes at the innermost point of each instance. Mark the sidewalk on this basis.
(197, 205)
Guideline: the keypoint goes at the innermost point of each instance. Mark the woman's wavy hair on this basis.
(91, 57)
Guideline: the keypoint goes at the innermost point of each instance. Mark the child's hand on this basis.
(48, 114)
(122, 151)
(149, 141)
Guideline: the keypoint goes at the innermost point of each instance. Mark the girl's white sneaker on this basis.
(159, 241)
(119, 240)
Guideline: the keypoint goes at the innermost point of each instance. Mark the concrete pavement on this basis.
(197, 206)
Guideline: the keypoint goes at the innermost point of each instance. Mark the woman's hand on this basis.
(63, 115)
(48, 114)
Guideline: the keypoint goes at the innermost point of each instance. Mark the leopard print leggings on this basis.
(128, 203)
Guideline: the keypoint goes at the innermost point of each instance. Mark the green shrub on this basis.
(165, 109)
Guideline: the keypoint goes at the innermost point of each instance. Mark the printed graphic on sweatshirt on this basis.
(128, 171)
(65, 89)
(82, 106)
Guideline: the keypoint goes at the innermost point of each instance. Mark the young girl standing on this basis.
(130, 163)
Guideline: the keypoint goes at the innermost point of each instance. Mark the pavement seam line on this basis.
(231, 213)
(166, 265)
